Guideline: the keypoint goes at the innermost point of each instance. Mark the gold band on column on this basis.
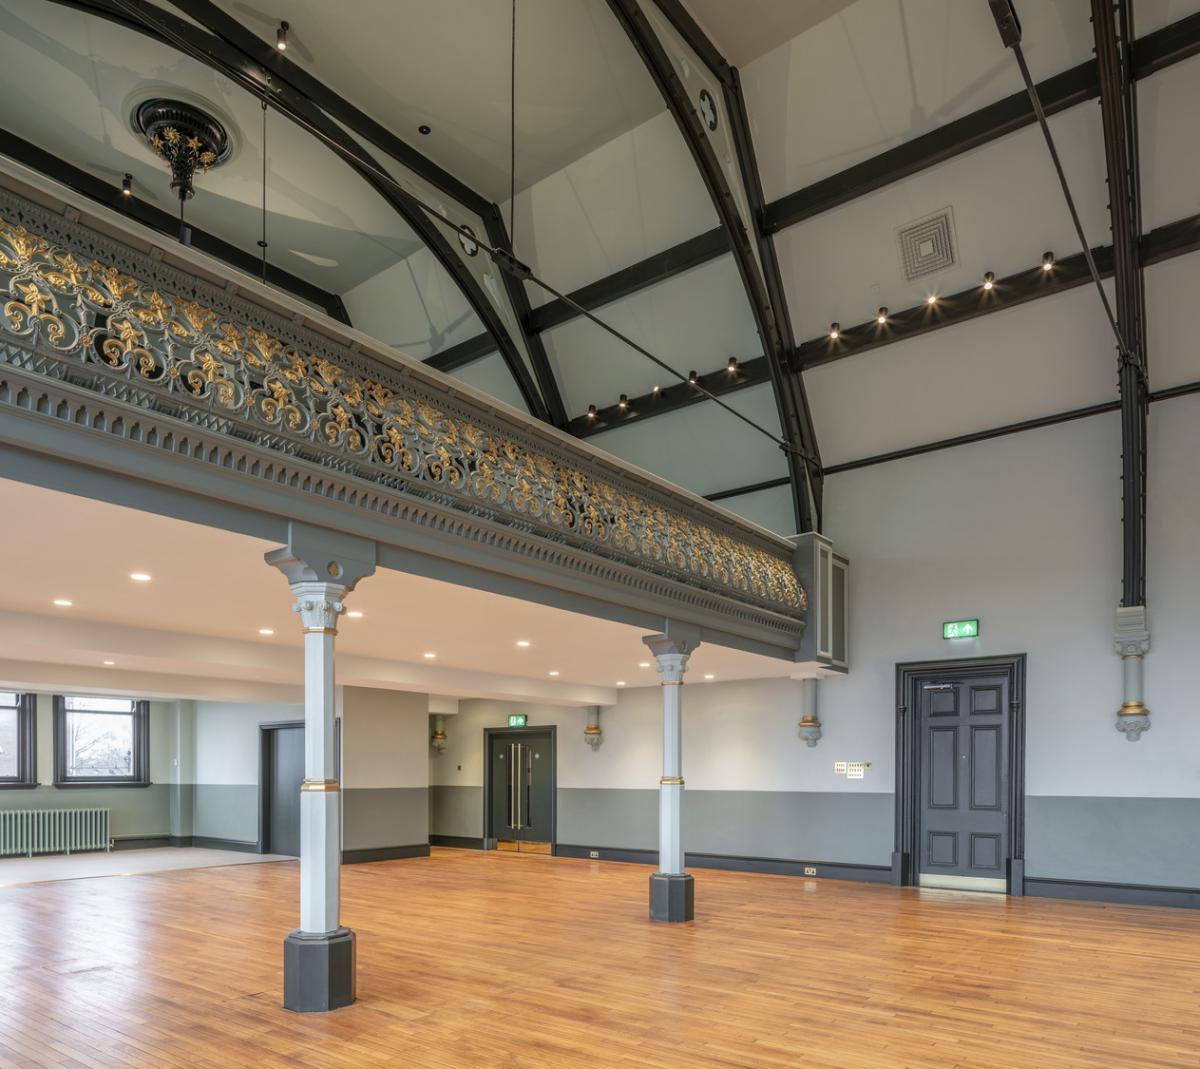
(672, 781)
(320, 630)
(320, 786)
(671, 683)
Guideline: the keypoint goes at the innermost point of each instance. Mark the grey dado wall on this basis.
(136, 812)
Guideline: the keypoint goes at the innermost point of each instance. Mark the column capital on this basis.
(319, 556)
(319, 605)
(671, 652)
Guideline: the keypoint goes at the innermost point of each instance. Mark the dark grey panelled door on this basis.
(522, 791)
(964, 779)
(286, 771)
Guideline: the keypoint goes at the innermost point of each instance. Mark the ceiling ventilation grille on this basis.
(927, 245)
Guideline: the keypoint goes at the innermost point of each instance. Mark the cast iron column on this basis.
(318, 957)
(672, 891)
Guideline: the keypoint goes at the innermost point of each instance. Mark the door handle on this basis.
(517, 770)
(512, 785)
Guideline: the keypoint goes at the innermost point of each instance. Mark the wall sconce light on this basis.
(438, 739)
(593, 734)
(810, 725)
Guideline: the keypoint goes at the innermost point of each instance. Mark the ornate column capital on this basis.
(319, 605)
(671, 650)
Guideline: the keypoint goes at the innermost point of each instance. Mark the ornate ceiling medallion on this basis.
(188, 139)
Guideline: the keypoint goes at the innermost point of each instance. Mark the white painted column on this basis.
(671, 667)
(319, 605)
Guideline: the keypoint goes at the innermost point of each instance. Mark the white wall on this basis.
(384, 738)
(227, 739)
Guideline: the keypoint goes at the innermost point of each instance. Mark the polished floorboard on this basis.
(39, 869)
(520, 962)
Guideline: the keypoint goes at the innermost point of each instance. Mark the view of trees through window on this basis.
(99, 737)
(9, 736)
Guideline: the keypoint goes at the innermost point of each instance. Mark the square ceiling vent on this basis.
(928, 245)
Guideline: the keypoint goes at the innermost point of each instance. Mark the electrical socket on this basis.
(809, 870)
(594, 854)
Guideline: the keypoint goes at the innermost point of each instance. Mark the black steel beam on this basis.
(1166, 394)
(498, 238)
(258, 79)
(798, 439)
(167, 223)
(1118, 110)
(462, 354)
(1152, 53)
(1165, 243)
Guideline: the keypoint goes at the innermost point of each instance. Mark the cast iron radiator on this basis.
(53, 831)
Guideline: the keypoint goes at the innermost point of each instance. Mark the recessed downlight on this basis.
(552, 673)
(524, 643)
(139, 577)
(63, 603)
(429, 656)
(110, 663)
(620, 682)
(710, 676)
(266, 630)
(355, 614)
(643, 664)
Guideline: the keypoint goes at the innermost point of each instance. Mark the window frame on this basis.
(141, 747)
(26, 776)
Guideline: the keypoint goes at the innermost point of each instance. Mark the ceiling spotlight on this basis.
(139, 577)
(623, 403)
(266, 631)
(989, 281)
(1047, 261)
(355, 614)
(524, 643)
(591, 412)
(931, 299)
(554, 673)
(656, 391)
(429, 656)
(281, 37)
(424, 129)
(110, 663)
(643, 664)
(620, 682)
(127, 186)
(63, 603)
(693, 378)
(881, 316)
(835, 331)
(710, 676)
(732, 366)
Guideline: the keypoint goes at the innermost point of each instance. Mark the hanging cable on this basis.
(505, 260)
(262, 244)
(1010, 34)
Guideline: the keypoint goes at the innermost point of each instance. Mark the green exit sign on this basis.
(960, 629)
(516, 720)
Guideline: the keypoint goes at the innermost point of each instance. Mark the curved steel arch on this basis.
(755, 260)
(233, 58)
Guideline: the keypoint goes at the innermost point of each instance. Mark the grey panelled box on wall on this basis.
(825, 577)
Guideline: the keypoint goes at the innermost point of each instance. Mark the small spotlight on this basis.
(109, 664)
(931, 299)
(127, 186)
(1047, 261)
(139, 577)
(710, 676)
(989, 281)
(656, 391)
(554, 672)
(429, 656)
(623, 403)
(835, 331)
(281, 37)
(266, 631)
(355, 614)
(693, 378)
(424, 129)
(643, 664)
(881, 316)
(591, 412)
(524, 643)
(732, 366)
(620, 682)
(63, 603)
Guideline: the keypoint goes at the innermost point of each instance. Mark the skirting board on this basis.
(1127, 894)
(460, 842)
(829, 870)
(384, 853)
(142, 842)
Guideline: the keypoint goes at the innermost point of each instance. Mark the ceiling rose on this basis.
(186, 137)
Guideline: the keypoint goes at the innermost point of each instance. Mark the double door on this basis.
(521, 766)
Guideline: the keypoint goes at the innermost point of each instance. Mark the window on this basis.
(99, 741)
(18, 751)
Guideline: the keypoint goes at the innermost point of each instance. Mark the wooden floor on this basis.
(497, 961)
